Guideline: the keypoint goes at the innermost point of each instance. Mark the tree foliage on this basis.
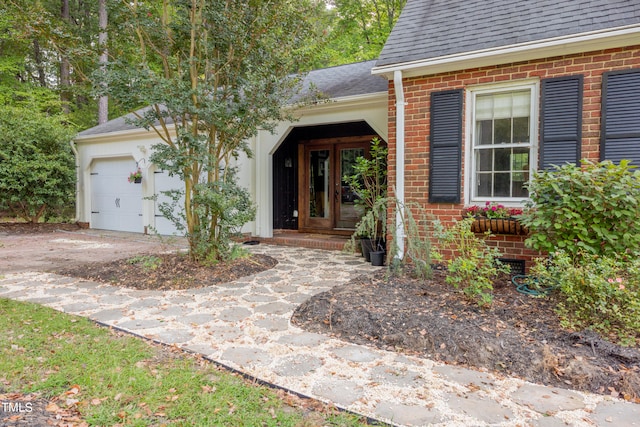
(212, 74)
(37, 171)
(358, 29)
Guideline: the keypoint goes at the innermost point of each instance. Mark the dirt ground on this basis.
(47, 247)
(518, 335)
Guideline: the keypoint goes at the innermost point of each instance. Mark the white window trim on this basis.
(469, 159)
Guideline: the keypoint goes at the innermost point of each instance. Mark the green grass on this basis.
(124, 380)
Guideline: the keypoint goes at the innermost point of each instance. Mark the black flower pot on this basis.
(369, 245)
(377, 258)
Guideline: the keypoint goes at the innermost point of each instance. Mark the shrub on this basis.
(38, 171)
(593, 209)
(601, 293)
(473, 265)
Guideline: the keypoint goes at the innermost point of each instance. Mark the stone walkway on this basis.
(245, 325)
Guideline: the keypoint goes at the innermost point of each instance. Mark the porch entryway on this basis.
(326, 202)
(309, 194)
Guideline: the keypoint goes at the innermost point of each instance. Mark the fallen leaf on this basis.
(52, 407)
(75, 389)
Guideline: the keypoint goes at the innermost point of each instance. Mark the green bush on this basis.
(601, 293)
(472, 264)
(593, 209)
(37, 170)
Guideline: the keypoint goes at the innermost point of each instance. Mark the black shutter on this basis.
(560, 121)
(445, 147)
(620, 134)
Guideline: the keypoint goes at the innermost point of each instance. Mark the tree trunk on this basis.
(65, 68)
(103, 102)
(37, 57)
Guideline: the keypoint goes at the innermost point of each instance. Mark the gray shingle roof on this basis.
(335, 82)
(347, 80)
(429, 29)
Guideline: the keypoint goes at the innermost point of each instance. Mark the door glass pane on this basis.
(348, 213)
(319, 184)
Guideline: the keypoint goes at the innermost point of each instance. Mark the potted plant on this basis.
(496, 218)
(369, 183)
(135, 177)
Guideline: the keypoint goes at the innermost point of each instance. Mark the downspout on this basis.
(75, 155)
(399, 188)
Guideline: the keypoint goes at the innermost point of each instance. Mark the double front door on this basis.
(326, 202)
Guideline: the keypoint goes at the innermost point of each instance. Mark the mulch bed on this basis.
(518, 335)
(169, 271)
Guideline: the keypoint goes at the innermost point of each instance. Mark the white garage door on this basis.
(164, 182)
(116, 204)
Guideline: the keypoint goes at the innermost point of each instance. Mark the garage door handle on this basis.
(117, 202)
(95, 212)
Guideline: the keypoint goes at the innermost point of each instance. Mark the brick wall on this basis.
(417, 95)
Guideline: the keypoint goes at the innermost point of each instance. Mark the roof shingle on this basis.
(335, 82)
(430, 29)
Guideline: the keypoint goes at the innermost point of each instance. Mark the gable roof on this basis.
(429, 29)
(335, 82)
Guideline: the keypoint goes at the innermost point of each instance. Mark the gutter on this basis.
(77, 160)
(399, 235)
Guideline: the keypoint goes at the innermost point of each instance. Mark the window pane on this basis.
(521, 159)
(502, 106)
(503, 131)
(483, 160)
(502, 159)
(519, 179)
(484, 107)
(502, 185)
(484, 184)
(520, 129)
(521, 103)
(484, 130)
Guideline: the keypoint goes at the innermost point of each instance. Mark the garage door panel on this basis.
(163, 183)
(116, 204)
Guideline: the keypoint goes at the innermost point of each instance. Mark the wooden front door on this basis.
(326, 203)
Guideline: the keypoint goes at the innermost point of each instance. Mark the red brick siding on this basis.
(417, 96)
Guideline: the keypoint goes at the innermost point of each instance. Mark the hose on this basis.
(529, 285)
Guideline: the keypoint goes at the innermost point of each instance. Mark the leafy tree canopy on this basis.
(212, 74)
(357, 29)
